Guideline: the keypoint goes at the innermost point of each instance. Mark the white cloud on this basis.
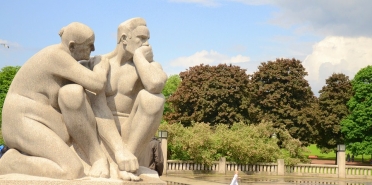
(330, 17)
(210, 3)
(205, 57)
(337, 55)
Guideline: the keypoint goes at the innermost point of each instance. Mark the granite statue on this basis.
(39, 114)
(132, 103)
(109, 106)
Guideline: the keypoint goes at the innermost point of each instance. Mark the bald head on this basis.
(76, 32)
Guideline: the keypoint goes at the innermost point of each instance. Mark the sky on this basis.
(328, 36)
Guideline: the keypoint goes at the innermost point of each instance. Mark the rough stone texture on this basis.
(148, 177)
(97, 126)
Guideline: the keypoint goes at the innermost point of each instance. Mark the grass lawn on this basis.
(332, 156)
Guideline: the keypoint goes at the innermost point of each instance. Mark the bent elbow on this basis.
(155, 88)
(157, 84)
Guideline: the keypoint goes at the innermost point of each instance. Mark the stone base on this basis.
(148, 177)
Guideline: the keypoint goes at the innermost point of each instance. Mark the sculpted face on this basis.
(82, 51)
(140, 37)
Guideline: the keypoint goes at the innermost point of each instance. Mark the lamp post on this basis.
(163, 135)
(341, 160)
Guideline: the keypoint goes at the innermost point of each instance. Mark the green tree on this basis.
(280, 93)
(357, 126)
(210, 94)
(6, 76)
(170, 87)
(332, 103)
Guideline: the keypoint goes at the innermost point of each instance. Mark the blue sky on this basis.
(326, 35)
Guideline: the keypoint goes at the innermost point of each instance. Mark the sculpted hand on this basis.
(102, 65)
(126, 161)
(144, 51)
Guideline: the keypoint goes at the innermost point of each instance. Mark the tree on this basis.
(279, 93)
(357, 126)
(170, 87)
(210, 94)
(332, 103)
(6, 77)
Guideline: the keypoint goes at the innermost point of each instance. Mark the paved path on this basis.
(205, 179)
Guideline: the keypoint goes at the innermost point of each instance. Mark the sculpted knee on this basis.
(71, 96)
(151, 103)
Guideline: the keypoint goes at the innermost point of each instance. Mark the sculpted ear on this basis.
(123, 39)
(71, 45)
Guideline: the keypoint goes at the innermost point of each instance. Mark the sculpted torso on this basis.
(122, 87)
(34, 81)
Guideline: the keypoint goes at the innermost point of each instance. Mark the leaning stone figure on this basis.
(46, 108)
(132, 103)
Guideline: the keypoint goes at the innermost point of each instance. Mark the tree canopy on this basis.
(6, 77)
(170, 87)
(332, 103)
(357, 126)
(210, 94)
(280, 93)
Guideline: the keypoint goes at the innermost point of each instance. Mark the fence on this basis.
(223, 167)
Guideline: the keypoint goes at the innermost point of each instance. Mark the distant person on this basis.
(1, 148)
(155, 155)
(4, 148)
(352, 158)
(348, 157)
(235, 178)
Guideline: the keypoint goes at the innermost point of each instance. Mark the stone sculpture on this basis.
(133, 95)
(39, 117)
(54, 102)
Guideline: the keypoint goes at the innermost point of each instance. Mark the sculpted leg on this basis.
(109, 133)
(143, 121)
(54, 158)
(81, 124)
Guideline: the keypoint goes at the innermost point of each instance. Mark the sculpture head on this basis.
(133, 34)
(79, 39)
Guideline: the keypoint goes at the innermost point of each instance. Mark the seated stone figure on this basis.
(46, 108)
(132, 103)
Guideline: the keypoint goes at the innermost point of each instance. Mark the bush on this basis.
(243, 144)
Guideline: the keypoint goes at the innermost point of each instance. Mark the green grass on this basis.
(332, 155)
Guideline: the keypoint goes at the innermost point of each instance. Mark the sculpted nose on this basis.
(146, 43)
(93, 48)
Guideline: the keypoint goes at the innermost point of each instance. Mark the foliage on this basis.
(332, 103)
(279, 93)
(191, 143)
(243, 144)
(210, 94)
(357, 126)
(6, 76)
(170, 87)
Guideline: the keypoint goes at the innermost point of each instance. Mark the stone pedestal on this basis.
(281, 167)
(164, 148)
(222, 165)
(148, 177)
(341, 164)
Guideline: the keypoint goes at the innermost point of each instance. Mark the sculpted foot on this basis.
(126, 161)
(100, 168)
(127, 176)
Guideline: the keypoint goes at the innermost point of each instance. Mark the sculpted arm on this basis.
(70, 69)
(152, 75)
